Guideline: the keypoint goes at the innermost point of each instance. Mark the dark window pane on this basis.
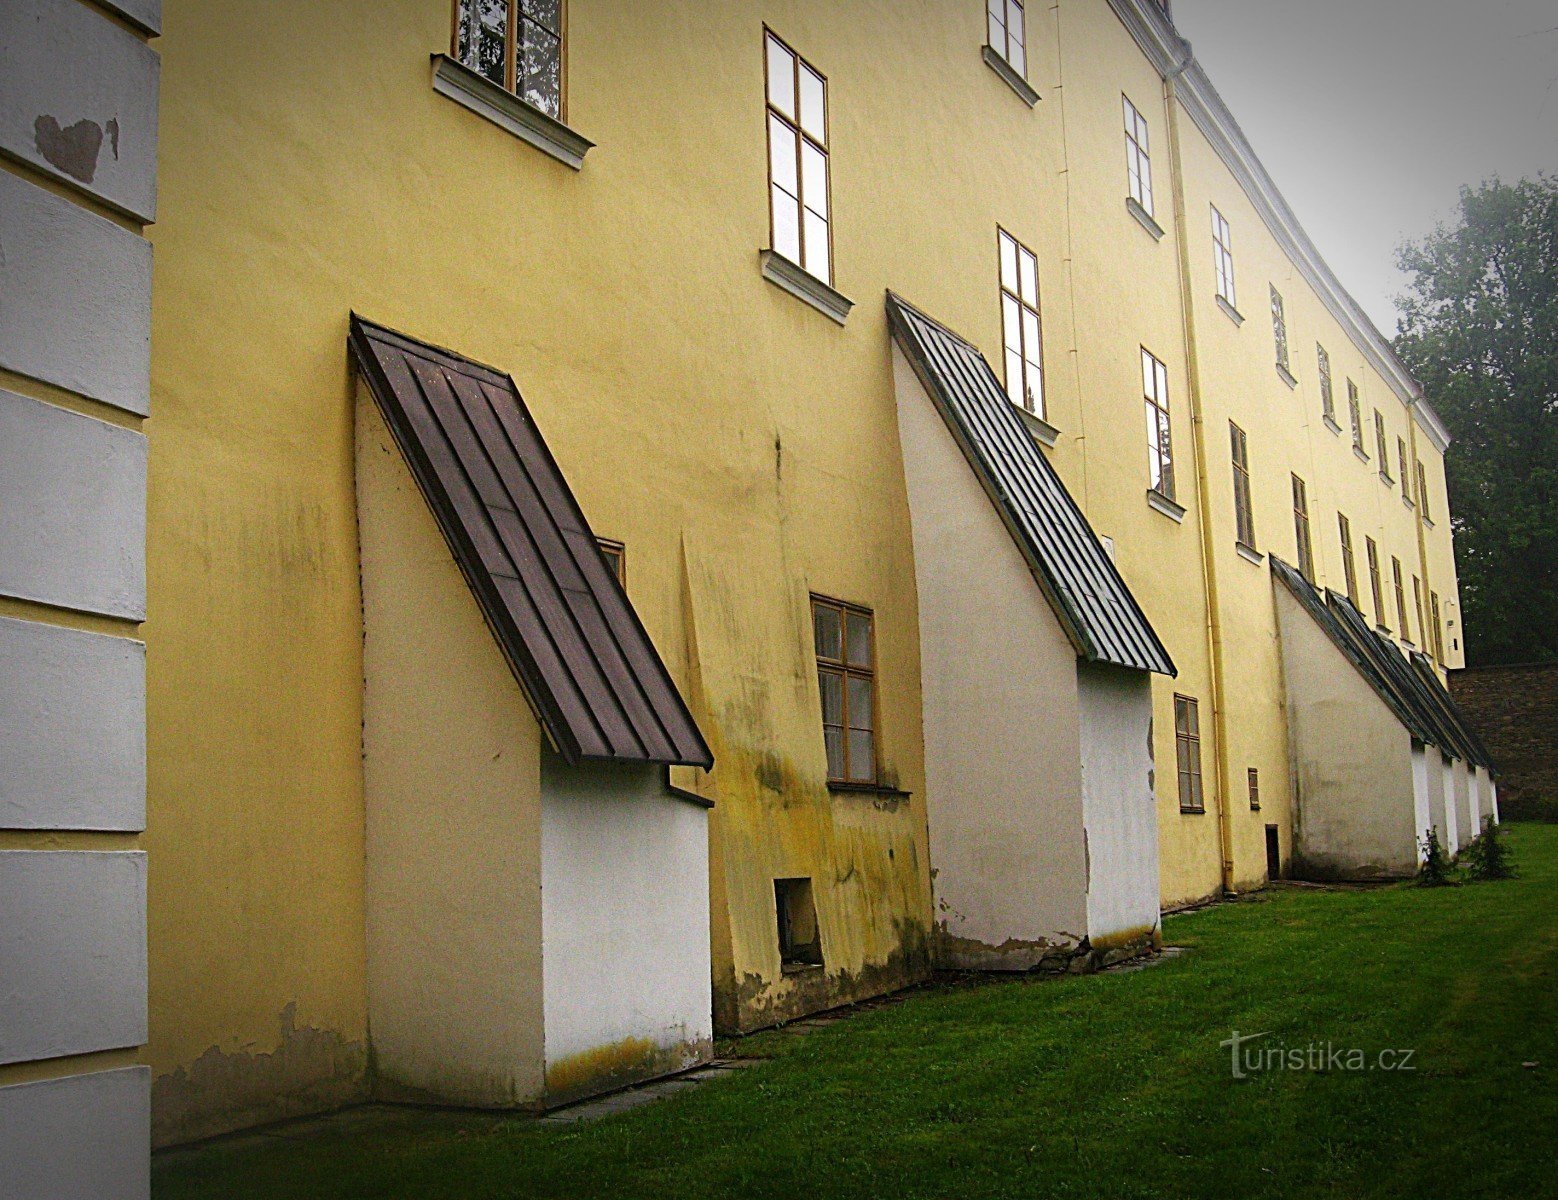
(859, 640)
(861, 756)
(483, 27)
(825, 627)
(832, 686)
(834, 738)
(541, 69)
(548, 13)
(859, 703)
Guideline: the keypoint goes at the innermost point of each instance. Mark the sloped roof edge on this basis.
(1084, 588)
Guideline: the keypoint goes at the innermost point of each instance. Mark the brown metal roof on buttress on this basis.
(560, 617)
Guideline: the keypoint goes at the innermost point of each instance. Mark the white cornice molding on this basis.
(1173, 58)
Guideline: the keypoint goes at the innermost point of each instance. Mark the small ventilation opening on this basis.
(800, 945)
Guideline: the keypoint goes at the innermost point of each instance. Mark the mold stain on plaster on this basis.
(311, 1070)
(75, 148)
(618, 1064)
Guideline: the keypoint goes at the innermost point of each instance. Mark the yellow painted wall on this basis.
(743, 447)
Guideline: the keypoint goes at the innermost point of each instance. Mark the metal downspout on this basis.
(1214, 631)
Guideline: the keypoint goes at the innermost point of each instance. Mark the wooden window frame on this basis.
(1252, 776)
(1327, 386)
(1222, 258)
(1031, 389)
(1406, 477)
(1138, 157)
(1279, 330)
(803, 138)
(615, 554)
(846, 671)
(1417, 601)
(1349, 564)
(1160, 447)
(1401, 599)
(1355, 415)
(1005, 48)
(1382, 444)
(1437, 630)
(1187, 754)
(1376, 582)
(1422, 490)
(511, 47)
(1243, 497)
(1303, 534)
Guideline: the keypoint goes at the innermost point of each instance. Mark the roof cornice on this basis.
(1173, 58)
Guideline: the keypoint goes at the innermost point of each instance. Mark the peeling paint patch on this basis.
(75, 148)
(312, 1070)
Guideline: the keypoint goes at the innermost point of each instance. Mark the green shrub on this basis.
(1435, 868)
(1488, 856)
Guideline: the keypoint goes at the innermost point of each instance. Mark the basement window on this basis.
(800, 945)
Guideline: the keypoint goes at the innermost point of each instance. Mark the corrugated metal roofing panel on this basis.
(561, 618)
(1089, 597)
(1408, 686)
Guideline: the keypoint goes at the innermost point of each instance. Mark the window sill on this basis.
(803, 285)
(1407, 500)
(1330, 423)
(1386, 480)
(1025, 90)
(799, 968)
(1361, 455)
(1249, 553)
(1044, 433)
(1286, 376)
(1384, 630)
(1160, 502)
(1143, 217)
(1429, 521)
(1233, 313)
(506, 110)
(1192, 812)
(866, 789)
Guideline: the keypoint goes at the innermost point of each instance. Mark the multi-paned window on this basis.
(1401, 599)
(516, 44)
(1243, 505)
(1021, 330)
(615, 555)
(1138, 163)
(1355, 412)
(1417, 601)
(1187, 749)
(801, 228)
(1436, 631)
(1376, 583)
(1382, 444)
(1422, 491)
(1349, 566)
(1279, 330)
(846, 676)
(1406, 477)
(1254, 779)
(1327, 392)
(1222, 257)
(1306, 549)
(1160, 444)
(1008, 33)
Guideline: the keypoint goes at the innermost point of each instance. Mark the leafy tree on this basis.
(1479, 330)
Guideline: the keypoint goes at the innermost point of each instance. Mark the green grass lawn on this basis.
(1108, 1086)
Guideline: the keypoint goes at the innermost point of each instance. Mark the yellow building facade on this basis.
(726, 416)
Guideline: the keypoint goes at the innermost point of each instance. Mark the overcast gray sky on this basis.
(1370, 114)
